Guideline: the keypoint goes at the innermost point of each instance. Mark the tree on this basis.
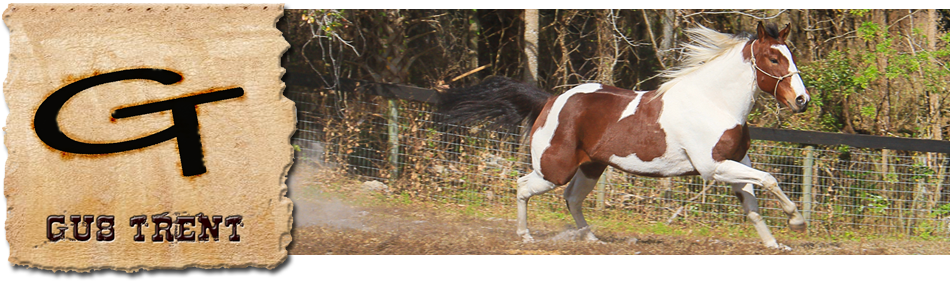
(880, 72)
(531, 46)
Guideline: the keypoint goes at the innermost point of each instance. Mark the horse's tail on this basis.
(505, 101)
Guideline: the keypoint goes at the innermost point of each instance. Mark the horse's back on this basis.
(602, 124)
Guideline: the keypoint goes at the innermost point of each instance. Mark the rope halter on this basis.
(756, 66)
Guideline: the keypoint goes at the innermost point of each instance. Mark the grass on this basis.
(473, 205)
(539, 213)
(404, 223)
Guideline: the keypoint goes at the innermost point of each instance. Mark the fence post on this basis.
(666, 185)
(806, 181)
(920, 188)
(602, 189)
(393, 131)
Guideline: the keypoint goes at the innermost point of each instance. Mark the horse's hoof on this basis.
(589, 235)
(780, 246)
(798, 227)
(527, 238)
(593, 239)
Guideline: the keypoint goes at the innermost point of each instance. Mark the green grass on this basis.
(472, 204)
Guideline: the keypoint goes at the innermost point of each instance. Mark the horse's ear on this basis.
(760, 32)
(783, 34)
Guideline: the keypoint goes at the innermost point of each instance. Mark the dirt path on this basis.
(349, 220)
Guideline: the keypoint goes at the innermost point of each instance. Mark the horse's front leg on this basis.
(736, 173)
(750, 207)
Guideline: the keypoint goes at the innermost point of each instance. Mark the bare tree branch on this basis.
(656, 50)
(737, 13)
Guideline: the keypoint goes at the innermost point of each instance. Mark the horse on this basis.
(693, 124)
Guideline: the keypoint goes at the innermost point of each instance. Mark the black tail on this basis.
(505, 101)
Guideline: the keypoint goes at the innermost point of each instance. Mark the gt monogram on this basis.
(184, 113)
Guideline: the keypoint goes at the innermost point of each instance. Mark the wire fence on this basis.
(841, 190)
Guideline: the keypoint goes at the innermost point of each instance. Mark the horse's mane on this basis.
(705, 45)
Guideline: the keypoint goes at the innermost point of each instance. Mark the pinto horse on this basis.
(694, 124)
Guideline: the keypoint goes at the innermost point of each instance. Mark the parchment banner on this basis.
(169, 119)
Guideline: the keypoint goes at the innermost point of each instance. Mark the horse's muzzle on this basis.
(800, 104)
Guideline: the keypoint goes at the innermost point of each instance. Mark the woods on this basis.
(877, 72)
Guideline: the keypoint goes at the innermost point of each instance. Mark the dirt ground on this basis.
(345, 219)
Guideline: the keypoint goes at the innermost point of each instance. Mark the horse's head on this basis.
(774, 67)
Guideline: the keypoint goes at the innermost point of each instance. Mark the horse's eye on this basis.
(775, 61)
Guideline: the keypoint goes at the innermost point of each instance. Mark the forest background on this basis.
(876, 72)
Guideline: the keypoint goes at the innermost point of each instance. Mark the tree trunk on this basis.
(810, 51)
(564, 68)
(803, 38)
(473, 30)
(606, 48)
(847, 116)
(666, 44)
(882, 87)
(928, 23)
(647, 19)
(531, 46)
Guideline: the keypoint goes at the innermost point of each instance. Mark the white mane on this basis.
(706, 44)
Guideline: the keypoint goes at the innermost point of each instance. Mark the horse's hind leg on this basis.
(583, 183)
(529, 185)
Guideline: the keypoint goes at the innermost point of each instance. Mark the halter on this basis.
(756, 66)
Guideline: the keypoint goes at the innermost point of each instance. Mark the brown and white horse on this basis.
(695, 123)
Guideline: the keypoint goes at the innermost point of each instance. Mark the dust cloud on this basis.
(312, 207)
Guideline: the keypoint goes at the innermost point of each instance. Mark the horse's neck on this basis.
(726, 83)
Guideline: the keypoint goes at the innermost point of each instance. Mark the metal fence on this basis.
(841, 190)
